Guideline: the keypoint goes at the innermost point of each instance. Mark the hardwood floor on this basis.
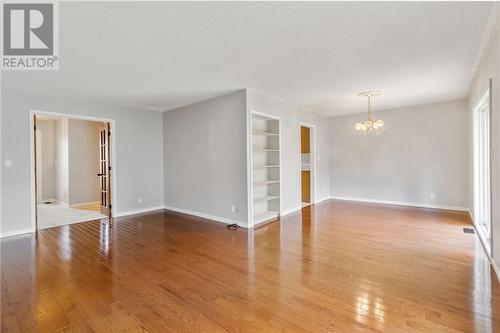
(336, 267)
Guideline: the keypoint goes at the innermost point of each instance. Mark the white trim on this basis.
(249, 169)
(495, 269)
(138, 211)
(291, 211)
(84, 204)
(112, 127)
(15, 233)
(250, 112)
(403, 203)
(206, 216)
(48, 200)
(312, 158)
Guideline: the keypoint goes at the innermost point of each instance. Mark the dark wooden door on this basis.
(105, 169)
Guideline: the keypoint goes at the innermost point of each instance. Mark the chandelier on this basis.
(370, 126)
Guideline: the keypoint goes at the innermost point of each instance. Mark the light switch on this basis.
(8, 162)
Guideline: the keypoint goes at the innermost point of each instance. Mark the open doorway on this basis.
(307, 164)
(72, 170)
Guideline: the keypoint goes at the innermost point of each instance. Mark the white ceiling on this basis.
(318, 55)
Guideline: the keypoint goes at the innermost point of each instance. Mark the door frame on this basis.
(112, 126)
(312, 143)
(486, 240)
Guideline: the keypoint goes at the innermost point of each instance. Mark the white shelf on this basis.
(259, 132)
(265, 156)
(267, 182)
(264, 216)
(266, 198)
(266, 166)
(264, 149)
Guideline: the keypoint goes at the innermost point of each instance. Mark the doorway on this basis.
(71, 169)
(482, 170)
(307, 164)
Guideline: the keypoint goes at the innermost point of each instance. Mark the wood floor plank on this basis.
(333, 267)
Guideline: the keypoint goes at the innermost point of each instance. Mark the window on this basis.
(482, 153)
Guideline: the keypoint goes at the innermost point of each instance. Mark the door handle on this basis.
(101, 174)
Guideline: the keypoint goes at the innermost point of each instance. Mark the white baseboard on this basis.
(207, 216)
(495, 269)
(403, 203)
(84, 204)
(138, 211)
(296, 209)
(16, 233)
(291, 211)
(49, 200)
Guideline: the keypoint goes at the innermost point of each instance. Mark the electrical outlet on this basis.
(433, 196)
(235, 210)
(8, 162)
(139, 200)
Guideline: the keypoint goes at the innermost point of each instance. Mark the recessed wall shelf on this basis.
(264, 149)
(266, 166)
(265, 157)
(259, 132)
(266, 198)
(265, 182)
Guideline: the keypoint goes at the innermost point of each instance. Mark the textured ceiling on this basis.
(317, 56)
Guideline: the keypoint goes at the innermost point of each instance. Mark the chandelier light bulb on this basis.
(369, 126)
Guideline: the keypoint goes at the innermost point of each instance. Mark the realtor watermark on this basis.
(30, 38)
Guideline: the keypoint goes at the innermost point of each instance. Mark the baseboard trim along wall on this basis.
(138, 211)
(495, 269)
(291, 211)
(84, 204)
(206, 216)
(404, 203)
(16, 233)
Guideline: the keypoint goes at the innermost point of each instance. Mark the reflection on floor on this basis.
(53, 215)
(95, 206)
(337, 266)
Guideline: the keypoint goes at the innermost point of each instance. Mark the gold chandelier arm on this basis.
(369, 108)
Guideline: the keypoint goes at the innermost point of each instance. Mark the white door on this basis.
(482, 180)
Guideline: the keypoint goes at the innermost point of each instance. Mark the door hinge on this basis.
(109, 205)
(109, 168)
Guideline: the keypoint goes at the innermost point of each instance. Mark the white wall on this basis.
(62, 162)
(83, 158)
(139, 154)
(48, 154)
(206, 154)
(489, 67)
(424, 149)
(291, 117)
(205, 157)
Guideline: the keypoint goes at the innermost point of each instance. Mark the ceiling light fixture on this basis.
(370, 126)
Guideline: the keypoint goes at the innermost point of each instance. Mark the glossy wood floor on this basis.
(335, 267)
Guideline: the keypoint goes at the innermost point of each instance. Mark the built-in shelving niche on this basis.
(265, 167)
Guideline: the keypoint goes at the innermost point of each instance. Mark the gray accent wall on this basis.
(206, 154)
(291, 118)
(205, 157)
(139, 154)
(423, 150)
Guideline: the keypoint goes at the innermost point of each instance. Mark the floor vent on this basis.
(469, 231)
